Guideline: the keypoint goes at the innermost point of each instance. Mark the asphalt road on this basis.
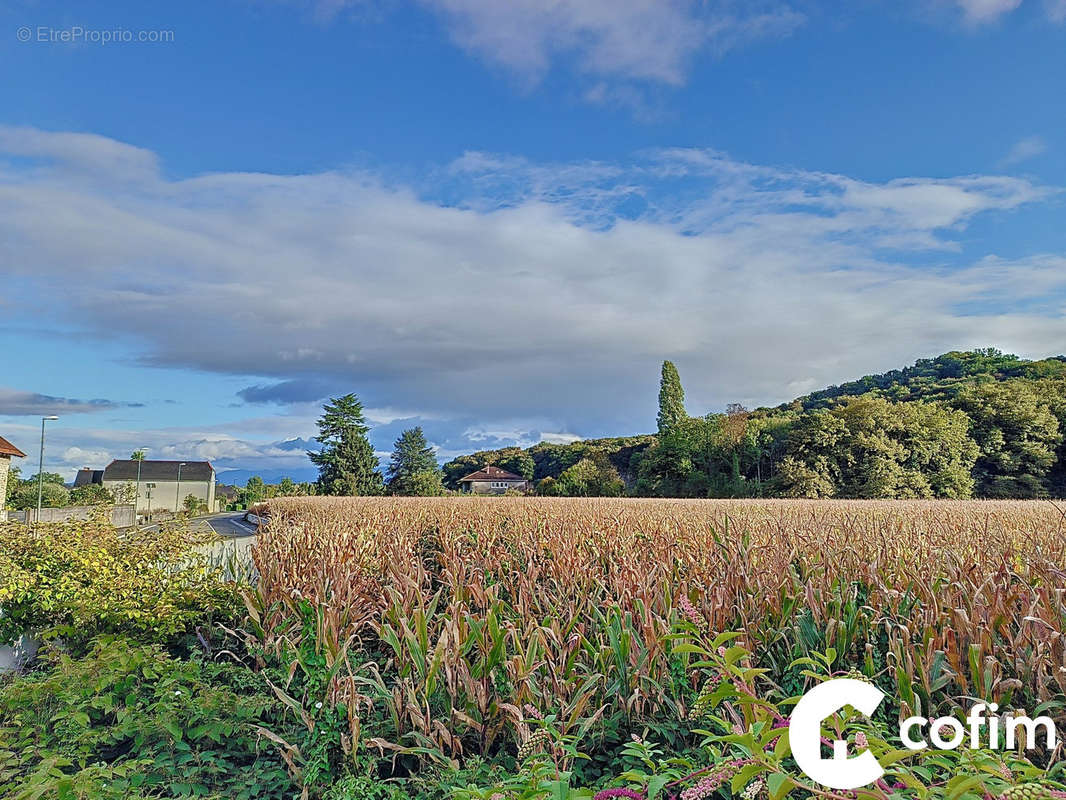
(231, 525)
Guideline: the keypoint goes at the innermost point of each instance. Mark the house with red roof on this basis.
(493, 480)
(7, 452)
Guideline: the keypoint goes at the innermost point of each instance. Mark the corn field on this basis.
(446, 617)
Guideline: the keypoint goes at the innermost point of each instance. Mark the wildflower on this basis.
(609, 794)
(703, 699)
(751, 791)
(318, 704)
(1027, 791)
(861, 740)
(532, 711)
(710, 783)
(177, 692)
(532, 743)
(691, 614)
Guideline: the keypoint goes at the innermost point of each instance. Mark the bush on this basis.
(128, 721)
(84, 578)
(53, 495)
(92, 494)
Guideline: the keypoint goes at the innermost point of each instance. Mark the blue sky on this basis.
(496, 219)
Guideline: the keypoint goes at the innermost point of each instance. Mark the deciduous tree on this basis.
(1018, 435)
(671, 398)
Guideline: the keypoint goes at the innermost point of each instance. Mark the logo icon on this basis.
(805, 734)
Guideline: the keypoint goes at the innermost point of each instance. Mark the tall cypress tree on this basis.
(346, 463)
(413, 464)
(671, 398)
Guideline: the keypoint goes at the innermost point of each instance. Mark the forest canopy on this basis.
(979, 423)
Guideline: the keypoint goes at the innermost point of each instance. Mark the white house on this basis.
(493, 480)
(163, 484)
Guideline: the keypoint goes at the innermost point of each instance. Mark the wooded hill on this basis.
(964, 424)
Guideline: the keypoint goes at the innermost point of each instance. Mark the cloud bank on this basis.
(18, 403)
(503, 290)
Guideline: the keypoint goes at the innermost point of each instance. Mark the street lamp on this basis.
(139, 454)
(149, 487)
(40, 469)
(177, 490)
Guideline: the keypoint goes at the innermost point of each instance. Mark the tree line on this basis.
(965, 424)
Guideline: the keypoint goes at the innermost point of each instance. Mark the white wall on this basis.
(168, 495)
(5, 465)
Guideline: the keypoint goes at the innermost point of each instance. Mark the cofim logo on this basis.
(841, 772)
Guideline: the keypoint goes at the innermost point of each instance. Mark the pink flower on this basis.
(708, 784)
(861, 740)
(608, 794)
(691, 614)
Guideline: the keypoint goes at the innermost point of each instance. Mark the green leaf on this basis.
(779, 784)
(745, 776)
(171, 727)
(656, 784)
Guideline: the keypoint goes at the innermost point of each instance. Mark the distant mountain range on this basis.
(239, 477)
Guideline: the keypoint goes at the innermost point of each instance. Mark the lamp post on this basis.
(177, 490)
(139, 455)
(149, 487)
(40, 469)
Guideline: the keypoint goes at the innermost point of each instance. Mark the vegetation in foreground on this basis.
(530, 648)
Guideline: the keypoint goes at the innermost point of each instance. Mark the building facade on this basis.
(7, 452)
(493, 480)
(164, 485)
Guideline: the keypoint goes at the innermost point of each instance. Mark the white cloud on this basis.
(1023, 150)
(70, 447)
(560, 438)
(91, 458)
(633, 39)
(80, 151)
(549, 296)
(630, 40)
(980, 11)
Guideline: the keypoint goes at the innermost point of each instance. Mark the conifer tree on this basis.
(413, 465)
(346, 463)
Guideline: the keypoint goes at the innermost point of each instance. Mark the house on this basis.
(87, 477)
(492, 480)
(163, 484)
(7, 452)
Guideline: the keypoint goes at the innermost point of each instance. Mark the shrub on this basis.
(128, 721)
(85, 577)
